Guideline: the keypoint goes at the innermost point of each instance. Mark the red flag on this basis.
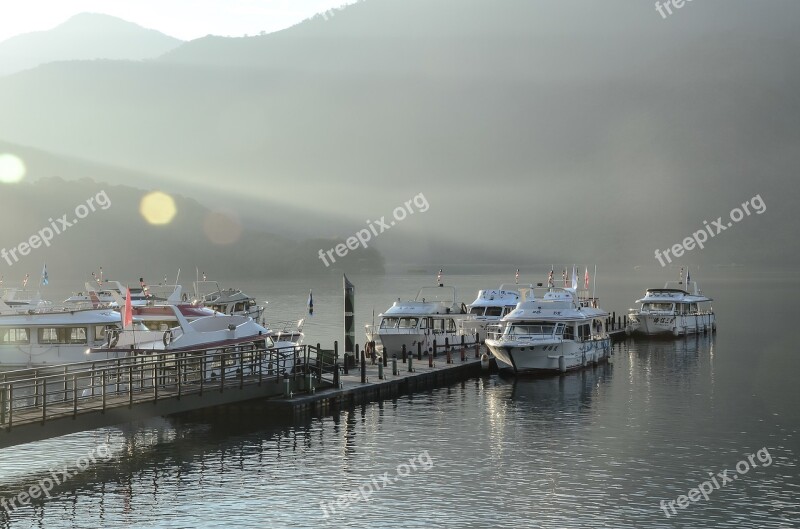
(127, 313)
(586, 279)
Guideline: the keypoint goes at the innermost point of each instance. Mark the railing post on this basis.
(74, 396)
(419, 350)
(385, 355)
(103, 389)
(44, 400)
(93, 378)
(477, 345)
(65, 384)
(10, 405)
(155, 381)
(130, 387)
(319, 364)
(202, 372)
(261, 367)
(36, 388)
(222, 373)
(241, 369)
(447, 352)
(433, 354)
(404, 353)
(3, 405)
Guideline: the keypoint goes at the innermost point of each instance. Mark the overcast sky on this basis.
(184, 19)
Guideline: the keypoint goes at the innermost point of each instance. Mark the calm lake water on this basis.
(598, 448)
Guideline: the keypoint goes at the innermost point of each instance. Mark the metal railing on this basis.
(39, 395)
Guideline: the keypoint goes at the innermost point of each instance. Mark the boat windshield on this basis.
(408, 323)
(657, 307)
(477, 311)
(389, 323)
(494, 311)
(529, 329)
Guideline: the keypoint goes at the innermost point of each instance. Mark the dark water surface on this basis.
(598, 448)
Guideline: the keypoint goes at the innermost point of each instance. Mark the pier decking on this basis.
(38, 404)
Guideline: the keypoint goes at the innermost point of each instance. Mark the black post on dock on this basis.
(419, 350)
(363, 367)
(477, 345)
(336, 379)
(434, 348)
(430, 356)
(385, 355)
(463, 349)
(613, 320)
(447, 352)
(404, 353)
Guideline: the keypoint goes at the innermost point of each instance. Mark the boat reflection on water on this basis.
(557, 392)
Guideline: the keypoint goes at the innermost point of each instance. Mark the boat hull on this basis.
(393, 343)
(670, 325)
(549, 356)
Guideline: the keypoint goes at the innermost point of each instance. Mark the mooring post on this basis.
(477, 345)
(430, 356)
(394, 365)
(447, 352)
(385, 355)
(363, 367)
(319, 363)
(463, 349)
(419, 350)
(410, 363)
(380, 370)
(434, 348)
(404, 353)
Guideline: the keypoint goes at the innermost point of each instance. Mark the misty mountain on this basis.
(112, 232)
(86, 36)
(547, 131)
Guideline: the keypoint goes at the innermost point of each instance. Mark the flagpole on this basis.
(594, 284)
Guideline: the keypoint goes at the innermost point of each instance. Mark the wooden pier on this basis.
(38, 404)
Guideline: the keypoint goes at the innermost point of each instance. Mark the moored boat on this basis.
(433, 315)
(557, 332)
(680, 308)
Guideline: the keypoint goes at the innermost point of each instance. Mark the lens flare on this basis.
(157, 208)
(12, 169)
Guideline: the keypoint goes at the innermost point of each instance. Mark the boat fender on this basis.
(113, 339)
(167, 338)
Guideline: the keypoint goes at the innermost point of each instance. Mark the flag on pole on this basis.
(687, 277)
(439, 277)
(586, 279)
(564, 276)
(550, 277)
(25, 280)
(127, 313)
(516, 277)
(45, 279)
(310, 303)
(574, 277)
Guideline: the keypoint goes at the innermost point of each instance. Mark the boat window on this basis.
(506, 310)
(657, 306)
(694, 307)
(569, 332)
(437, 325)
(62, 335)
(424, 323)
(559, 329)
(583, 331)
(15, 336)
(494, 311)
(451, 326)
(477, 311)
(526, 329)
(389, 323)
(238, 307)
(408, 323)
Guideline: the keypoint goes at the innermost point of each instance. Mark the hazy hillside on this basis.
(541, 130)
(119, 238)
(86, 36)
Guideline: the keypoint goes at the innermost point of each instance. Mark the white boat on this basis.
(677, 309)
(107, 295)
(23, 300)
(433, 315)
(492, 305)
(53, 335)
(556, 332)
(230, 301)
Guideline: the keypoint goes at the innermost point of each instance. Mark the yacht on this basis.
(680, 308)
(107, 295)
(492, 305)
(230, 301)
(556, 332)
(433, 315)
(53, 335)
